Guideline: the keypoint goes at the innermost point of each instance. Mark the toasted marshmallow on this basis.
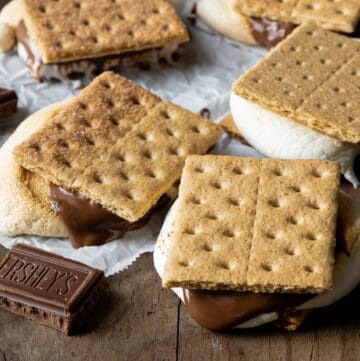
(12, 13)
(346, 270)
(220, 15)
(7, 37)
(280, 137)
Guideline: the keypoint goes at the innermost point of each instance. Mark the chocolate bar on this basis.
(49, 289)
(8, 102)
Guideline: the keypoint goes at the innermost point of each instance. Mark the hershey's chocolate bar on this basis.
(49, 289)
(8, 102)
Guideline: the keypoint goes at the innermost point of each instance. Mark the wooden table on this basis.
(140, 321)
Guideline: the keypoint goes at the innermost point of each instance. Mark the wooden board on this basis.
(140, 321)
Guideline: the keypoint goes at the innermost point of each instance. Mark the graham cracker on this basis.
(76, 29)
(349, 219)
(117, 144)
(312, 77)
(339, 15)
(271, 9)
(229, 126)
(248, 224)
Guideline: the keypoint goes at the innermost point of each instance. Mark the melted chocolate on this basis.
(222, 310)
(87, 222)
(270, 32)
(356, 33)
(356, 166)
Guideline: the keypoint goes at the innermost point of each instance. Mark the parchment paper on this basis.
(202, 79)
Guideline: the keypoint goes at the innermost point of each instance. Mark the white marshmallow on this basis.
(280, 137)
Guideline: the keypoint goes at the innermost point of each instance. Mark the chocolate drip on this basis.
(87, 222)
(356, 166)
(222, 310)
(269, 32)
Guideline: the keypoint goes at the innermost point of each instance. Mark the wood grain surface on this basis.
(137, 320)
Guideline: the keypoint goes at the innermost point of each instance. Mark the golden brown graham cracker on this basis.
(76, 29)
(312, 77)
(270, 9)
(228, 125)
(117, 144)
(339, 15)
(256, 225)
(349, 219)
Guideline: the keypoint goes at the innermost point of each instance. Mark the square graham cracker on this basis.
(117, 144)
(69, 30)
(248, 224)
(312, 77)
(339, 15)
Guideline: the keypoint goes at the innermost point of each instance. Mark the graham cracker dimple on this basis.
(313, 78)
(117, 144)
(76, 29)
(248, 224)
(340, 15)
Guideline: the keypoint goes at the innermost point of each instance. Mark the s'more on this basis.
(303, 100)
(68, 39)
(251, 241)
(98, 165)
(269, 22)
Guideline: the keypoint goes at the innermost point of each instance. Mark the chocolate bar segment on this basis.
(49, 289)
(8, 102)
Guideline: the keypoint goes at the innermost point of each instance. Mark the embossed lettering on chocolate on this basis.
(49, 289)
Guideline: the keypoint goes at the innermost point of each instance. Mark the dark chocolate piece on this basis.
(49, 289)
(222, 310)
(270, 32)
(8, 102)
(88, 223)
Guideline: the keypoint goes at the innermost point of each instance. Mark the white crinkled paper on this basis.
(202, 79)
